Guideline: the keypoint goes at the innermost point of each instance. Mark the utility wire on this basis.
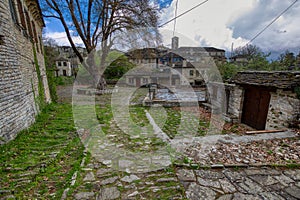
(274, 20)
(184, 13)
(176, 8)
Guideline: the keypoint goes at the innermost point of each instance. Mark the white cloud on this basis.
(62, 40)
(207, 25)
(218, 23)
(281, 35)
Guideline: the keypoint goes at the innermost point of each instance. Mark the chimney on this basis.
(175, 41)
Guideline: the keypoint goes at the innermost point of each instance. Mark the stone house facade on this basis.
(23, 79)
(188, 64)
(144, 75)
(263, 100)
(66, 53)
(63, 67)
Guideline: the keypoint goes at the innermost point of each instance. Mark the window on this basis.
(131, 80)
(29, 29)
(59, 64)
(35, 38)
(21, 14)
(191, 72)
(197, 73)
(13, 11)
(65, 64)
(145, 80)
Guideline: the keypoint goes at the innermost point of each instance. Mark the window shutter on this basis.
(21, 14)
(13, 11)
(28, 24)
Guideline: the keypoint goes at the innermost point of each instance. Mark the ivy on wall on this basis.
(40, 99)
(51, 79)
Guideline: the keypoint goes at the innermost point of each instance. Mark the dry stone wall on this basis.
(18, 77)
(284, 108)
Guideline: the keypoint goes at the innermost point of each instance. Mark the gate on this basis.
(255, 107)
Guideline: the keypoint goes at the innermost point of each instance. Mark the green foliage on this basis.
(40, 99)
(119, 65)
(42, 159)
(49, 56)
(51, 84)
(287, 59)
(256, 59)
(277, 66)
(64, 80)
(228, 70)
(258, 62)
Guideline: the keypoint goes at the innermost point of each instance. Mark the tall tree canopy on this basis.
(97, 21)
(256, 58)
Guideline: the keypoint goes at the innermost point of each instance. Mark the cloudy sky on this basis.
(220, 23)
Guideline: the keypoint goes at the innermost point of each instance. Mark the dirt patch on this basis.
(64, 93)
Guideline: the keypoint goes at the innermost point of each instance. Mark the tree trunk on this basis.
(95, 71)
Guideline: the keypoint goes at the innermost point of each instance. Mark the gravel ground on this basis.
(276, 151)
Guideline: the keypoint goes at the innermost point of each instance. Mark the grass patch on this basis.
(64, 80)
(42, 159)
(176, 122)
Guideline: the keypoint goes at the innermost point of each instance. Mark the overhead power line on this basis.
(183, 13)
(274, 20)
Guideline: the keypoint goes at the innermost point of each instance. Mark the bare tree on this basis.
(96, 22)
(249, 51)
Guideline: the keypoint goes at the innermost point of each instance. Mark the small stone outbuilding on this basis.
(265, 100)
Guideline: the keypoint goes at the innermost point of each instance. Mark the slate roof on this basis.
(146, 53)
(61, 58)
(208, 49)
(277, 79)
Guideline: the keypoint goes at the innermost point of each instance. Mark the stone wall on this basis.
(235, 104)
(284, 107)
(18, 75)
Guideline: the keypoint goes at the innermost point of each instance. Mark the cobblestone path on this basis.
(101, 182)
(250, 183)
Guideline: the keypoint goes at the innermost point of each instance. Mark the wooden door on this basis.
(138, 82)
(256, 106)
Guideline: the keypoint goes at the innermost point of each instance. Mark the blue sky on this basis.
(220, 24)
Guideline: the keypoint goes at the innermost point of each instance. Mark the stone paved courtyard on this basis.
(101, 182)
(121, 177)
(142, 165)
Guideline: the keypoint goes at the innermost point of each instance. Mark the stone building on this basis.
(149, 56)
(263, 100)
(198, 55)
(186, 65)
(23, 80)
(188, 73)
(144, 75)
(63, 67)
(66, 53)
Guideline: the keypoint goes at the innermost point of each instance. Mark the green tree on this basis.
(228, 70)
(287, 59)
(96, 22)
(256, 58)
(118, 67)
